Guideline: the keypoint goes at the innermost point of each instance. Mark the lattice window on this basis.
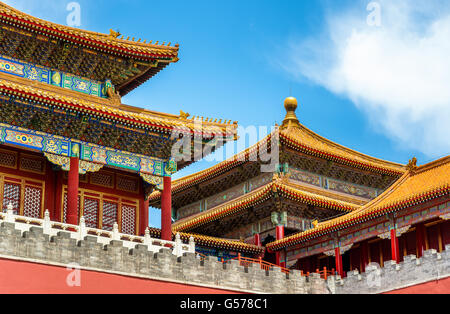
(65, 207)
(102, 179)
(91, 208)
(128, 219)
(127, 184)
(32, 202)
(11, 195)
(109, 215)
(7, 159)
(31, 164)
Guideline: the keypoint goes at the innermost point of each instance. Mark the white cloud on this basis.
(398, 73)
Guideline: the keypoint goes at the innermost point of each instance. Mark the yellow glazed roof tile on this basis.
(415, 186)
(63, 97)
(299, 138)
(294, 192)
(105, 41)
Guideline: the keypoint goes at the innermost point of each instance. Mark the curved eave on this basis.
(338, 153)
(257, 197)
(92, 40)
(214, 171)
(228, 209)
(160, 124)
(216, 243)
(382, 205)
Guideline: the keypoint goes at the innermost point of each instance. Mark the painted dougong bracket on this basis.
(158, 182)
(64, 163)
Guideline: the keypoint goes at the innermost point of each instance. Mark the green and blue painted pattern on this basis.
(55, 78)
(58, 145)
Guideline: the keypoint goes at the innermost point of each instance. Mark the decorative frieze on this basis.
(51, 77)
(93, 155)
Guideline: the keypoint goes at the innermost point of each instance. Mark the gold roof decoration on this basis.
(412, 165)
(427, 182)
(290, 104)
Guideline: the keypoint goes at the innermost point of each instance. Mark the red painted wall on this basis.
(432, 287)
(31, 278)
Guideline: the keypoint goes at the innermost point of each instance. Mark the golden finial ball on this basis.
(290, 104)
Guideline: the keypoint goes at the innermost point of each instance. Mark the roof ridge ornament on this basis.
(412, 165)
(114, 34)
(290, 104)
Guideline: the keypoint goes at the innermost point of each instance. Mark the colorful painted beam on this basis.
(51, 77)
(66, 147)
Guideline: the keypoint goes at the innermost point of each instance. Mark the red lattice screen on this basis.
(109, 215)
(91, 208)
(128, 219)
(32, 202)
(7, 159)
(11, 195)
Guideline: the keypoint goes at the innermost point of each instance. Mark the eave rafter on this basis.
(416, 186)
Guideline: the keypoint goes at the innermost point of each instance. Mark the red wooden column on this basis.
(394, 246)
(279, 236)
(166, 210)
(143, 219)
(364, 256)
(420, 239)
(72, 191)
(339, 267)
(257, 239)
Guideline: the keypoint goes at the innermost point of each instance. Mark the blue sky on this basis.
(381, 90)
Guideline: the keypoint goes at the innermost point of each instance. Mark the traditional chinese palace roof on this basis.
(68, 82)
(418, 185)
(236, 193)
(127, 63)
(278, 187)
(294, 137)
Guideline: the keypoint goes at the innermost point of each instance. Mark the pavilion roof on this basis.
(279, 186)
(87, 104)
(298, 138)
(217, 243)
(416, 186)
(154, 126)
(109, 44)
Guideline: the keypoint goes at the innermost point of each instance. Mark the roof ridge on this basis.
(290, 132)
(434, 164)
(396, 203)
(89, 102)
(81, 32)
